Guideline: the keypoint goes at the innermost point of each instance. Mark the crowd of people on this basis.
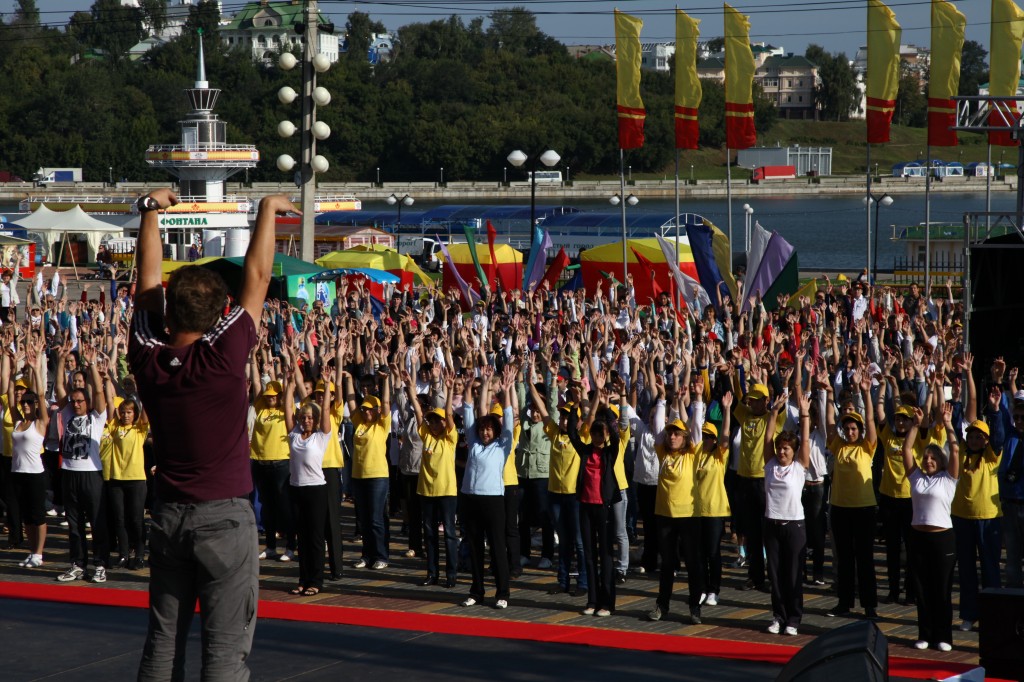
(587, 418)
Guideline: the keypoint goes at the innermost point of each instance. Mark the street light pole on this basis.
(631, 200)
(884, 200)
(550, 158)
(404, 201)
(442, 176)
(378, 176)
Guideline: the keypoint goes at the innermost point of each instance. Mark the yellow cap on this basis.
(21, 383)
(568, 408)
(497, 411)
(614, 409)
(905, 411)
(438, 412)
(757, 391)
(370, 402)
(980, 425)
(677, 423)
(853, 417)
(841, 278)
(320, 387)
(709, 429)
(273, 388)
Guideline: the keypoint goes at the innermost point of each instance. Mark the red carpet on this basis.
(483, 627)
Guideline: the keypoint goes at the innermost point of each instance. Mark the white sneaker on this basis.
(468, 601)
(589, 611)
(775, 628)
(602, 613)
(544, 562)
(99, 575)
(945, 646)
(921, 644)
(379, 565)
(24, 562)
(791, 631)
(359, 563)
(501, 604)
(287, 556)
(712, 599)
(34, 561)
(967, 626)
(72, 574)
(268, 554)
(51, 512)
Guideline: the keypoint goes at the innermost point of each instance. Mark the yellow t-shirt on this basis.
(751, 463)
(564, 463)
(851, 476)
(123, 458)
(333, 457)
(894, 481)
(269, 436)
(677, 490)
(509, 475)
(711, 498)
(977, 490)
(620, 459)
(370, 446)
(437, 468)
(8, 426)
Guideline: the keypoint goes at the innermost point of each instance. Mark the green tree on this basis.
(836, 95)
(27, 14)
(973, 68)
(115, 27)
(911, 102)
(359, 30)
(205, 15)
(154, 13)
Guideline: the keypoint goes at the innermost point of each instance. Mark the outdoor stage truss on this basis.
(978, 228)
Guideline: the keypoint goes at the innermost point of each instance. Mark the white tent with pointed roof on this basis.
(49, 227)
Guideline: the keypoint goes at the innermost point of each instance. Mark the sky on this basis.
(837, 25)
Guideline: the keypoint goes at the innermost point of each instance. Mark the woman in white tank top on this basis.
(787, 457)
(27, 470)
(932, 547)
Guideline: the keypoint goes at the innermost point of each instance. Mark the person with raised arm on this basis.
(932, 541)
(189, 360)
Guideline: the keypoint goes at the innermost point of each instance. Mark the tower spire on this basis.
(201, 82)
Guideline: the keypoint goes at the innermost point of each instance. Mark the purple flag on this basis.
(538, 262)
(467, 293)
(776, 255)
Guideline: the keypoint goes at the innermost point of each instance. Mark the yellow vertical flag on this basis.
(948, 26)
(688, 90)
(739, 82)
(1004, 70)
(883, 77)
(630, 107)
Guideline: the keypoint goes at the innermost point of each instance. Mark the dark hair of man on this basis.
(195, 299)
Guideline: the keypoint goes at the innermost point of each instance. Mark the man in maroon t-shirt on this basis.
(189, 362)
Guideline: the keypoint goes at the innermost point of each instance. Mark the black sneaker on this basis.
(695, 617)
(838, 612)
(620, 577)
(429, 580)
(871, 614)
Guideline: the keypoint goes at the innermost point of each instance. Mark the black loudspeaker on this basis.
(857, 652)
(997, 306)
(1001, 632)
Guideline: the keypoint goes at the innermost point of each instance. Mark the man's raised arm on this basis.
(259, 258)
(149, 252)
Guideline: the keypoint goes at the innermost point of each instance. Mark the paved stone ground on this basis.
(740, 616)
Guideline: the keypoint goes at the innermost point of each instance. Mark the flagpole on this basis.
(988, 190)
(867, 210)
(678, 293)
(728, 198)
(927, 224)
(622, 206)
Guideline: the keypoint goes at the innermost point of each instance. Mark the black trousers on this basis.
(126, 504)
(598, 541)
(813, 500)
(933, 558)
(750, 495)
(853, 533)
(440, 510)
(645, 497)
(897, 514)
(413, 512)
(534, 510)
(784, 543)
(15, 535)
(51, 462)
(332, 516)
(83, 501)
(711, 528)
(673, 533)
(513, 498)
(310, 503)
(485, 517)
(272, 483)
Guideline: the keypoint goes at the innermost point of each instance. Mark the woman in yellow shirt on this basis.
(269, 451)
(124, 470)
(712, 501)
(436, 486)
(853, 504)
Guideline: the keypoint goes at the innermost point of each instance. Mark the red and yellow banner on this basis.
(948, 26)
(630, 107)
(688, 90)
(883, 77)
(739, 82)
(1004, 74)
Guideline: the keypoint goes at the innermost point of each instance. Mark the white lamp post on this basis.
(631, 200)
(404, 201)
(884, 200)
(550, 158)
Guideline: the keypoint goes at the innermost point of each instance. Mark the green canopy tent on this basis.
(290, 279)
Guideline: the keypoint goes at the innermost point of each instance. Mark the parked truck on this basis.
(47, 175)
(774, 173)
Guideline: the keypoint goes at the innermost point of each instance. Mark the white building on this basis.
(267, 28)
(656, 56)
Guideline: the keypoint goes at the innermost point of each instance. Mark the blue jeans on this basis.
(205, 551)
(1013, 540)
(977, 545)
(371, 498)
(565, 512)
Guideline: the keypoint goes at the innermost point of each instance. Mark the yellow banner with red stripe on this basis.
(1004, 74)
(739, 82)
(688, 89)
(948, 26)
(629, 105)
(883, 77)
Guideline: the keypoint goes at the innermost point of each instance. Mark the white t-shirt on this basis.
(931, 497)
(28, 448)
(783, 487)
(80, 446)
(306, 463)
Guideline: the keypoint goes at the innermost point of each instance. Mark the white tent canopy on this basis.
(49, 227)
